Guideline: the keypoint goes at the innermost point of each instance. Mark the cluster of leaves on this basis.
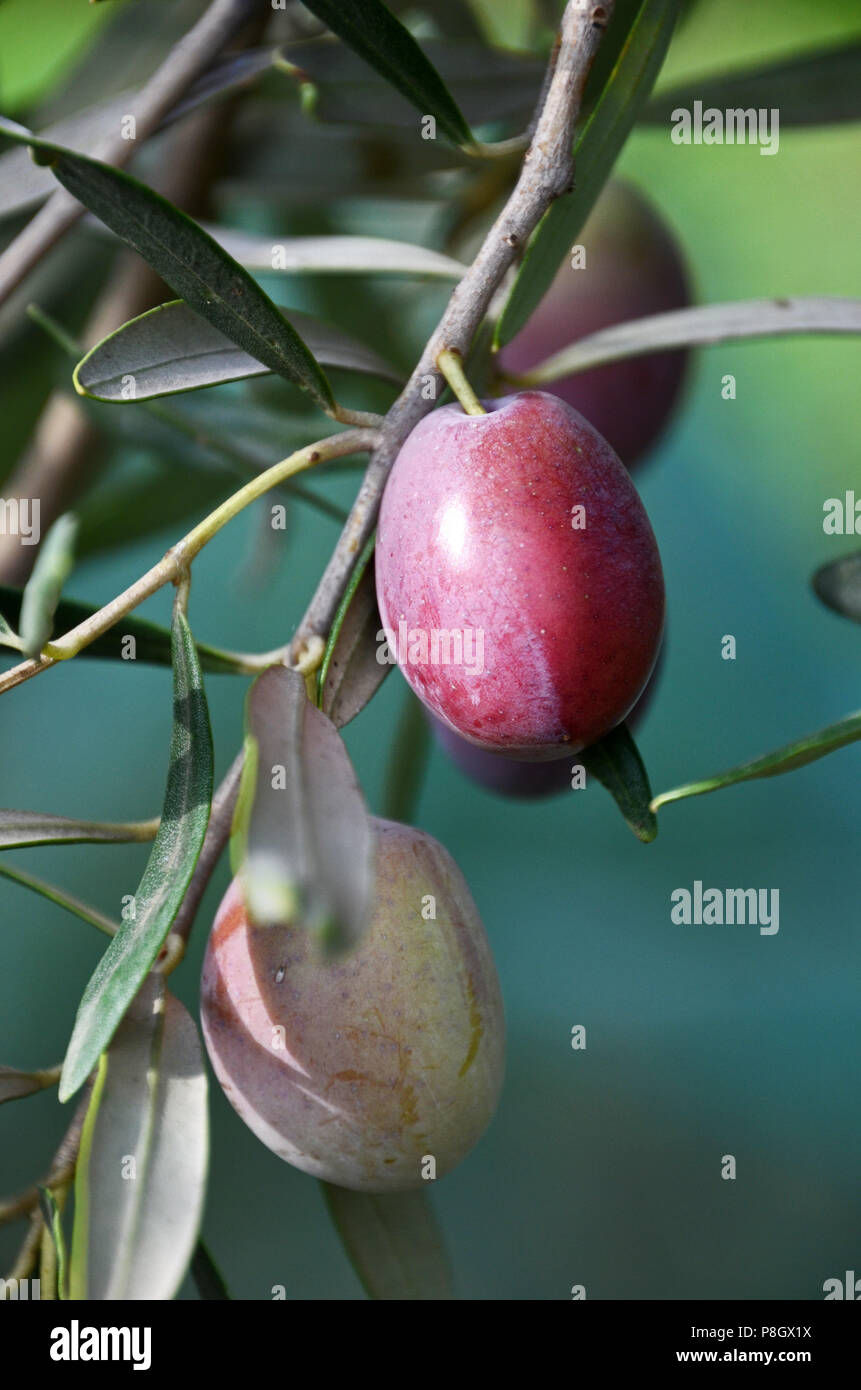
(350, 100)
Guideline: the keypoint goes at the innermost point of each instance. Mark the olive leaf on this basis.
(350, 673)
(41, 595)
(187, 257)
(838, 585)
(125, 964)
(819, 88)
(171, 349)
(786, 759)
(302, 845)
(393, 1242)
(596, 147)
(141, 1172)
(373, 32)
(699, 326)
(52, 1217)
(615, 762)
(18, 828)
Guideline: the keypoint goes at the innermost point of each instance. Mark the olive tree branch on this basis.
(186, 61)
(547, 172)
(174, 564)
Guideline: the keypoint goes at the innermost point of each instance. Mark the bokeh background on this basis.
(602, 1166)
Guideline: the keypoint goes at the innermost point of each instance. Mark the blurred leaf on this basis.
(54, 563)
(172, 349)
(393, 1242)
(187, 258)
(697, 327)
(141, 1173)
(206, 1275)
(19, 828)
(126, 509)
(408, 758)
(15, 1084)
(350, 674)
(596, 146)
(511, 25)
(819, 88)
(152, 643)
(348, 254)
(490, 84)
(372, 31)
(838, 585)
(24, 184)
(52, 1218)
(787, 759)
(60, 897)
(616, 763)
(302, 834)
(125, 964)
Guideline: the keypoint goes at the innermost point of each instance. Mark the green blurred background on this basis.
(602, 1167)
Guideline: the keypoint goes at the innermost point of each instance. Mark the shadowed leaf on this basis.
(350, 674)
(616, 763)
(187, 257)
(393, 1242)
(139, 1183)
(303, 845)
(838, 585)
(372, 31)
(172, 349)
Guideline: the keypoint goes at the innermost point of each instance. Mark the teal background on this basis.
(603, 1166)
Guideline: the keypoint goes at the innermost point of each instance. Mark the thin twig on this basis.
(547, 173)
(186, 61)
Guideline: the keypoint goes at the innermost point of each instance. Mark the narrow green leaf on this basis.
(838, 585)
(372, 31)
(16, 1084)
(172, 349)
(52, 1218)
(819, 88)
(39, 600)
(700, 326)
(309, 850)
(19, 828)
(141, 1173)
(152, 644)
(616, 763)
(350, 674)
(596, 148)
(125, 964)
(207, 1276)
(793, 755)
(188, 258)
(61, 898)
(393, 1242)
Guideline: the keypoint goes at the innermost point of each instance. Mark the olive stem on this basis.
(175, 562)
(450, 363)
